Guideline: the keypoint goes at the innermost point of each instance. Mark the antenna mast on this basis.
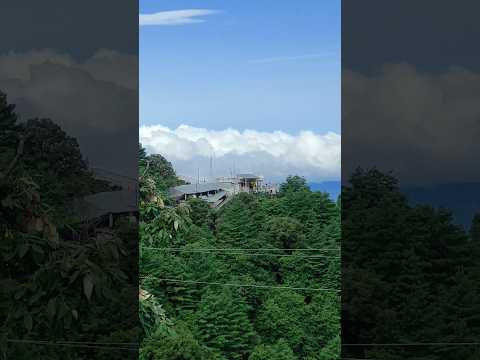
(211, 167)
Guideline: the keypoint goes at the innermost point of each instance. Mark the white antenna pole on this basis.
(211, 167)
(198, 180)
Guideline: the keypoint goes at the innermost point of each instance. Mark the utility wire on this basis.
(240, 285)
(70, 344)
(243, 249)
(130, 345)
(417, 344)
(246, 253)
(91, 342)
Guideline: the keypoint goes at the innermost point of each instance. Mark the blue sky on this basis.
(272, 67)
(207, 75)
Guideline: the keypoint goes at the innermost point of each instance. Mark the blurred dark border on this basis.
(411, 180)
(69, 179)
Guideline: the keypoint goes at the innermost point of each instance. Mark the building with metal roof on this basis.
(191, 189)
(106, 204)
(249, 182)
(248, 176)
(217, 193)
(217, 199)
(213, 193)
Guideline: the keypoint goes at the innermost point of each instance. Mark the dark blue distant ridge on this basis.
(463, 199)
(333, 188)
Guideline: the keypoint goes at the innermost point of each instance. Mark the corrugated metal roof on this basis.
(216, 197)
(248, 176)
(103, 203)
(195, 188)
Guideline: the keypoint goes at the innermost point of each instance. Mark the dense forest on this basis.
(258, 279)
(68, 290)
(410, 276)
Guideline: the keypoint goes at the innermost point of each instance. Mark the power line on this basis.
(166, 301)
(129, 346)
(91, 342)
(248, 254)
(88, 345)
(418, 344)
(243, 249)
(241, 285)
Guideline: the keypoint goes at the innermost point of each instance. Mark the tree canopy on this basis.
(409, 272)
(246, 281)
(60, 281)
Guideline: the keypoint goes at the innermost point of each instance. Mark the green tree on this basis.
(293, 184)
(240, 222)
(475, 228)
(330, 351)
(175, 343)
(200, 211)
(403, 265)
(10, 140)
(223, 323)
(282, 317)
(278, 351)
(284, 232)
(239, 247)
(159, 169)
(55, 282)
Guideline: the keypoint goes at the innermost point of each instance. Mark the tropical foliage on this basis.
(60, 281)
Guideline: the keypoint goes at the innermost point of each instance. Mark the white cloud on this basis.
(15, 65)
(423, 126)
(175, 17)
(272, 154)
(95, 100)
(104, 65)
(291, 58)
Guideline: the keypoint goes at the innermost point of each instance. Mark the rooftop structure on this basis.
(110, 203)
(190, 189)
(249, 176)
(217, 199)
(249, 182)
(213, 193)
(126, 182)
(218, 193)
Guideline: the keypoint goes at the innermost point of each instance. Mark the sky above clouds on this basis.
(256, 83)
(79, 28)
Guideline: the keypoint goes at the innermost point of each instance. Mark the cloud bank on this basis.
(274, 155)
(423, 126)
(175, 17)
(104, 65)
(95, 100)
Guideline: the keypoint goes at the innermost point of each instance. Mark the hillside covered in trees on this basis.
(258, 279)
(410, 276)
